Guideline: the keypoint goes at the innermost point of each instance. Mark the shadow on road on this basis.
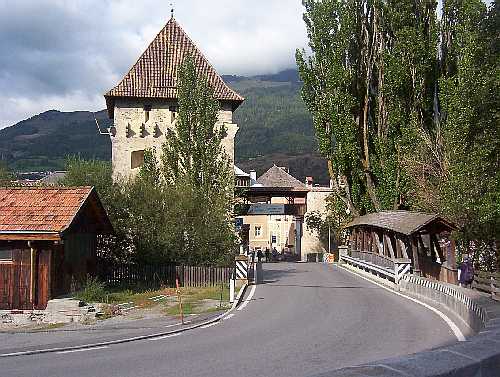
(271, 275)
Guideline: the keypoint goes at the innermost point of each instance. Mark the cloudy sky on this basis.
(64, 54)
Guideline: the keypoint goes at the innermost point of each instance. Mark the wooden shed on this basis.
(421, 238)
(48, 242)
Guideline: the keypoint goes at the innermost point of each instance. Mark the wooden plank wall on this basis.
(15, 281)
(43, 279)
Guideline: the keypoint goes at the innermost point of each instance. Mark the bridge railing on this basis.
(373, 258)
(391, 269)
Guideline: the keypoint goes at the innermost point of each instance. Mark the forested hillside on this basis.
(43, 141)
(274, 126)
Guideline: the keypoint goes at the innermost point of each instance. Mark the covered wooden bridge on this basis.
(397, 242)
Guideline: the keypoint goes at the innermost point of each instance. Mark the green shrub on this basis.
(93, 291)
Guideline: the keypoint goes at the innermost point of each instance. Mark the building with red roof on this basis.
(48, 242)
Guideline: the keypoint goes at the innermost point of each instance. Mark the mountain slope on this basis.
(42, 142)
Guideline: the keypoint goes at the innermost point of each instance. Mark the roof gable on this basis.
(154, 75)
(35, 209)
(404, 222)
(277, 177)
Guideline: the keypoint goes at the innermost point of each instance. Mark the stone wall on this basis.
(150, 134)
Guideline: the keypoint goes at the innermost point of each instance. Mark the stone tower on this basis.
(144, 104)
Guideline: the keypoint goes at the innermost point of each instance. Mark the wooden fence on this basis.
(488, 282)
(163, 275)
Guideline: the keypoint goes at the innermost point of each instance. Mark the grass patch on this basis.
(192, 300)
(187, 308)
(50, 326)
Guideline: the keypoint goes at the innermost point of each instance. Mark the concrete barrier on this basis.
(477, 357)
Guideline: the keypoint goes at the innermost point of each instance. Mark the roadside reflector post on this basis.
(231, 288)
(179, 296)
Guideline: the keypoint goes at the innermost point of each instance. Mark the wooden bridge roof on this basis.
(404, 222)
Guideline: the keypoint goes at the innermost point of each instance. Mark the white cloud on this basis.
(64, 55)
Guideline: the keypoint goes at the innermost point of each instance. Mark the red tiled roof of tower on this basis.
(154, 75)
(40, 209)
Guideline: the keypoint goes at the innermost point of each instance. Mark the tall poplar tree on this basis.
(368, 84)
(193, 151)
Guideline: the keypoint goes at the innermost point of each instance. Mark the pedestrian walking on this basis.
(466, 272)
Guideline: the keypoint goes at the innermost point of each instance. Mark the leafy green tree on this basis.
(367, 86)
(405, 107)
(177, 211)
(193, 152)
(6, 176)
(470, 87)
(79, 172)
(193, 162)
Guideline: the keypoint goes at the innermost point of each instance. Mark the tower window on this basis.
(147, 109)
(136, 159)
(173, 113)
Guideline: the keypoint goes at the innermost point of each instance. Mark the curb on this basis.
(239, 297)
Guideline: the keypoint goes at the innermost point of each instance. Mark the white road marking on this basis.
(209, 325)
(454, 328)
(249, 298)
(83, 350)
(166, 336)
(228, 316)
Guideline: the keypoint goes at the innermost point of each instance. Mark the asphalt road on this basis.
(306, 319)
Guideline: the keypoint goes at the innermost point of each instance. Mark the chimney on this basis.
(253, 176)
(309, 182)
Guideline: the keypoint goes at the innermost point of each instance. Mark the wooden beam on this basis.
(414, 252)
(375, 242)
(387, 241)
(403, 248)
(31, 237)
(437, 246)
(398, 247)
(422, 245)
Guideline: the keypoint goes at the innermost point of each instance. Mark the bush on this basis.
(93, 291)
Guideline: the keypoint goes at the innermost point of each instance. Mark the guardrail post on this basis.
(401, 267)
(241, 267)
